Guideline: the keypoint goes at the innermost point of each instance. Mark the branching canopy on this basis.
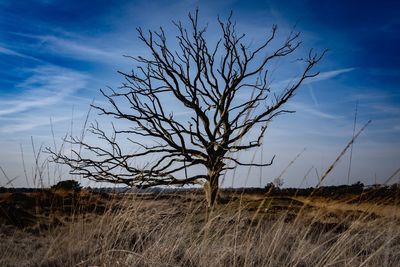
(209, 82)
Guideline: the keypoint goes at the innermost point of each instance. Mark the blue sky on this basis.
(56, 55)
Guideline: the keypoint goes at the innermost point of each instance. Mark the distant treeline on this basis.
(20, 190)
(334, 192)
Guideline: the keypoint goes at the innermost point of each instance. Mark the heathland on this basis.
(329, 226)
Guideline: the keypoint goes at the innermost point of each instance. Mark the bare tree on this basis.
(225, 91)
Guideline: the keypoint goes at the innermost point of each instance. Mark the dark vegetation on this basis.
(67, 185)
(340, 191)
(45, 208)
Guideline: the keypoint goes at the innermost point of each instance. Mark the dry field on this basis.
(91, 229)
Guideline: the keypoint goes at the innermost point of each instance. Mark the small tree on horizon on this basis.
(224, 90)
(68, 185)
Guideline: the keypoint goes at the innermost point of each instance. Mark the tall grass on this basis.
(174, 231)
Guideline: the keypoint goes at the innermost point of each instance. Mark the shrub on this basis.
(69, 185)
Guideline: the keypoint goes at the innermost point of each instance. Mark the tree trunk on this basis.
(212, 189)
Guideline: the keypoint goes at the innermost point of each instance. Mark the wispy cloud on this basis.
(368, 95)
(386, 108)
(47, 85)
(10, 52)
(328, 75)
(302, 108)
(77, 47)
(29, 124)
(321, 77)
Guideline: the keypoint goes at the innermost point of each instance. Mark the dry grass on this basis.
(178, 231)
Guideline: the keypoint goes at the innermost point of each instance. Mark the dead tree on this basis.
(224, 89)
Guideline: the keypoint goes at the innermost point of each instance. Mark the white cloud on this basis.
(47, 85)
(328, 75)
(29, 124)
(10, 52)
(321, 77)
(106, 49)
(75, 48)
(385, 108)
(302, 108)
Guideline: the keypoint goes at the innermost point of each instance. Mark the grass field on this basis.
(60, 228)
